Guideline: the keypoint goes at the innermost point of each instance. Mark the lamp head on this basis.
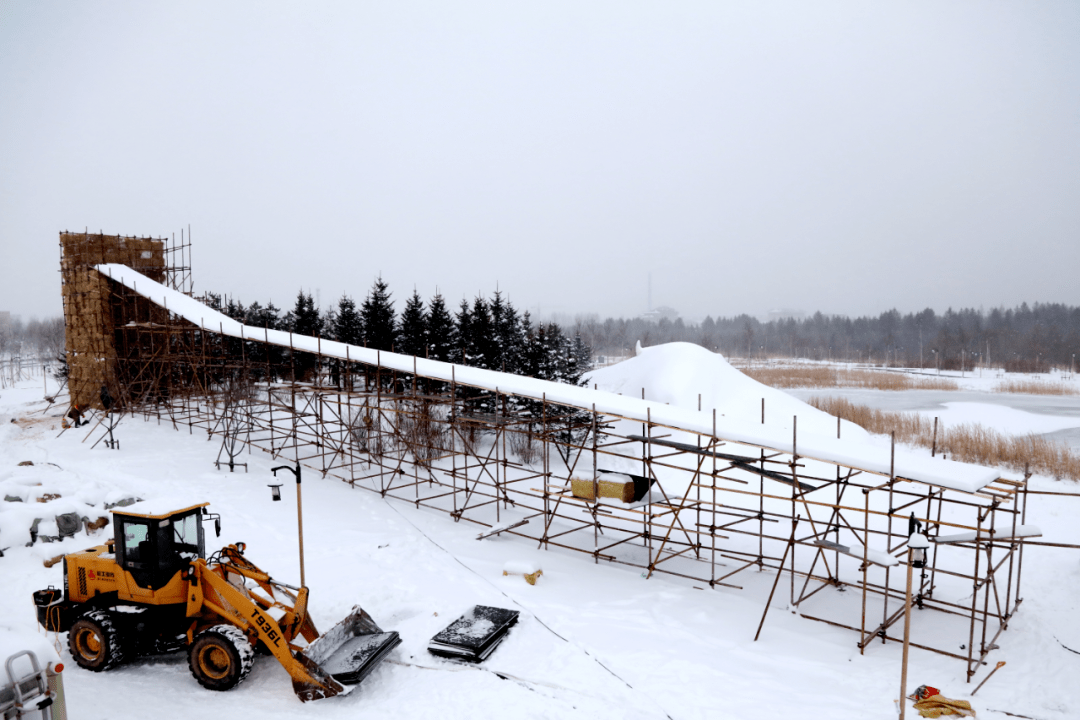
(918, 545)
(918, 541)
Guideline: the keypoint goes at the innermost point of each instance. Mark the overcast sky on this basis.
(844, 157)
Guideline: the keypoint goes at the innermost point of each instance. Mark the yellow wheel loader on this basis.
(151, 589)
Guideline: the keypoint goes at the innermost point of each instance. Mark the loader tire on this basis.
(95, 642)
(221, 657)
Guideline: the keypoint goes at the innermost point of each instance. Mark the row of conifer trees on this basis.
(488, 332)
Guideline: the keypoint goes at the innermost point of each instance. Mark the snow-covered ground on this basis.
(593, 640)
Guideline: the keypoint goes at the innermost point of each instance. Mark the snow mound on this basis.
(164, 504)
(42, 491)
(676, 373)
(15, 638)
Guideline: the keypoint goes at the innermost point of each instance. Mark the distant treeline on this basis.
(1023, 339)
(44, 338)
(487, 333)
(491, 333)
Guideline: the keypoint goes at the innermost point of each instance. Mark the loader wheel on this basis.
(221, 657)
(95, 642)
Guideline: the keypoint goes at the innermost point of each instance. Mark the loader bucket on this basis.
(316, 684)
(345, 654)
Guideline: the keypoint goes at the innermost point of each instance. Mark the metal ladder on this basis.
(27, 694)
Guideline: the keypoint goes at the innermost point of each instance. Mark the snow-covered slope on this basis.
(682, 374)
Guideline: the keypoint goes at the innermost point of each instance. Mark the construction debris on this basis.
(529, 570)
(474, 635)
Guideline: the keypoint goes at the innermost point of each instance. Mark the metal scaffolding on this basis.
(639, 493)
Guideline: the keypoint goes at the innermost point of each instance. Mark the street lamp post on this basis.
(917, 546)
(299, 511)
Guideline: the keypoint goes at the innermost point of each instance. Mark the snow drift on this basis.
(678, 374)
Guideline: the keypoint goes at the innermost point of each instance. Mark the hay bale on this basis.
(616, 487)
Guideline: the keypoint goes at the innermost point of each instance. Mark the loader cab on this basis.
(154, 547)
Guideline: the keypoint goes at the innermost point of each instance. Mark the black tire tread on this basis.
(232, 636)
(110, 635)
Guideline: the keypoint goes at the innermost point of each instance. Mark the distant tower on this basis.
(105, 327)
(649, 308)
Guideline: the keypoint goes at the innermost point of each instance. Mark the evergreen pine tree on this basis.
(481, 344)
(348, 327)
(497, 311)
(524, 363)
(265, 358)
(708, 333)
(252, 313)
(272, 316)
(440, 329)
(514, 330)
(235, 309)
(327, 321)
(550, 353)
(555, 349)
(413, 338)
(305, 320)
(377, 314)
(509, 335)
(536, 352)
(463, 320)
(305, 316)
(345, 327)
(581, 357)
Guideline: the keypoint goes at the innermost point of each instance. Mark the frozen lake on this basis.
(1056, 416)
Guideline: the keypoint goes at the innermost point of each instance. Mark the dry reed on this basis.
(968, 442)
(819, 376)
(523, 443)
(426, 436)
(1037, 387)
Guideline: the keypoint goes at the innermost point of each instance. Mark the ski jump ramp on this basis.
(907, 465)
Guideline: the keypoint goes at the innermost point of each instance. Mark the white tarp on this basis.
(909, 465)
